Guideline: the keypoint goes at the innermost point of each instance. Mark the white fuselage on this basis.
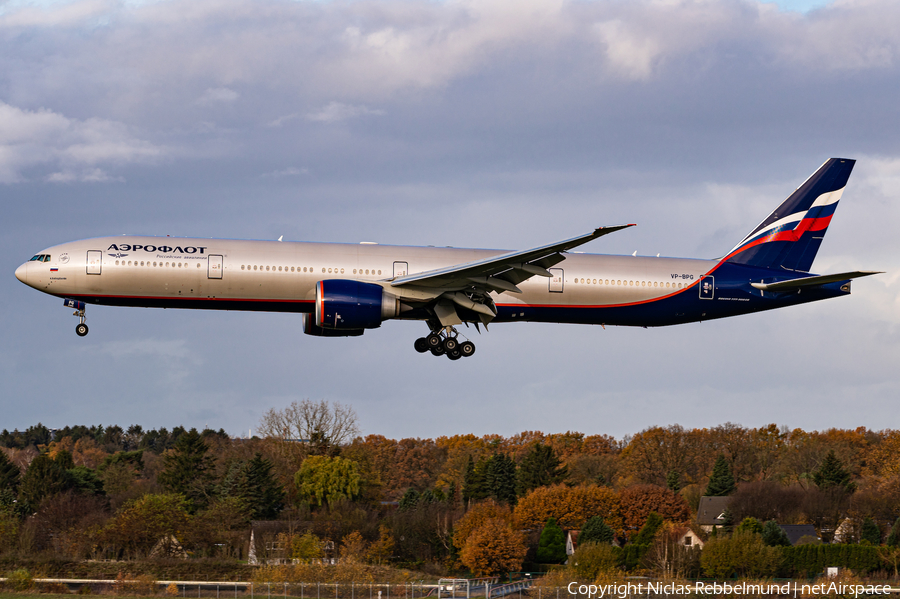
(282, 276)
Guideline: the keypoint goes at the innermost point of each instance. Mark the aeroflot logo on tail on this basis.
(165, 249)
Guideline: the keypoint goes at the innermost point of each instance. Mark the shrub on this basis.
(590, 559)
(20, 580)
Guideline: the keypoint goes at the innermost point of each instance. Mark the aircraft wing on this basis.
(813, 281)
(501, 273)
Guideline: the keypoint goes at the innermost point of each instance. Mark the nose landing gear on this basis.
(81, 329)
(445, 341)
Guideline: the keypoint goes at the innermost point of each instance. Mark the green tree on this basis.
(673, 481)
(259, 489)
(552, 544)
(750, 524)
(870, 532)
(85, 480)
(500, 478)
(774, 536)
(9, 474)
(648, 532)
(43, 478)
(322, 479)
(474, 486)
(409, 501)
(595, 530)
(894, 537)
(540, 467)
(721, 481)
(188, 470)
(831, 474)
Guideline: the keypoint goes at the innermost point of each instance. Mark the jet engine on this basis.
(353, 305)
(310, 328)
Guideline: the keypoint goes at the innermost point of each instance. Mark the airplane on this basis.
(343, 289)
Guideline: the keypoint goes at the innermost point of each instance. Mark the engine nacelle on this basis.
(310, 328)
(343, 304)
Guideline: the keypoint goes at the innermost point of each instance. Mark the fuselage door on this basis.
(401, 269)
(556, 281)
(214, 268)
(707, 287)
(94, 259)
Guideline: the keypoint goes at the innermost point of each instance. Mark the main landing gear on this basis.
(445, 342)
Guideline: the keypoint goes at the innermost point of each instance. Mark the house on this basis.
(572, 541)
(686, 537)
(268, 539)
(711, 512)
(795, 532)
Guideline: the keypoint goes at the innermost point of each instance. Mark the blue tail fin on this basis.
(790, 237)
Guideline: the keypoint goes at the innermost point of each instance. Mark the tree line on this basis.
(108, 492)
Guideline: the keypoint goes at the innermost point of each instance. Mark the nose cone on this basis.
(22, 273)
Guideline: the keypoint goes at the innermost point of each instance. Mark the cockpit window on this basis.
(41, 258)
(38, 258)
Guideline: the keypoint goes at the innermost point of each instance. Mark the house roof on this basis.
(795, 532)
(711, 509)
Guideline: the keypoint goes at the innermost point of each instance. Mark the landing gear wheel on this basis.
(433, 340)
(454, 354)
(421, 345)
(81, 329)
(466, 348)
(438, 351)
(450, 344)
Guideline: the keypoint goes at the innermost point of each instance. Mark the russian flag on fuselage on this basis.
(790, 237)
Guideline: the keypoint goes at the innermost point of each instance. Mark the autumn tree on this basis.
(322, 479)
(721, 481)
(306, 547)
(353, 546)
(381, 549)
(570, 506)
(188, 470)
(638, 501)
(141, 523)
(476, 516)
(552, 544)
(540, 467)
(493, 548)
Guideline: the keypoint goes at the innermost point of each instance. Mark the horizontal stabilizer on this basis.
(813, 281)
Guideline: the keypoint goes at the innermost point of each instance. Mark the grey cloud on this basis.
(42, 137)
(494, 123)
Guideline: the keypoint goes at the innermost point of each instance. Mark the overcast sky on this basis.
(484, 123)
